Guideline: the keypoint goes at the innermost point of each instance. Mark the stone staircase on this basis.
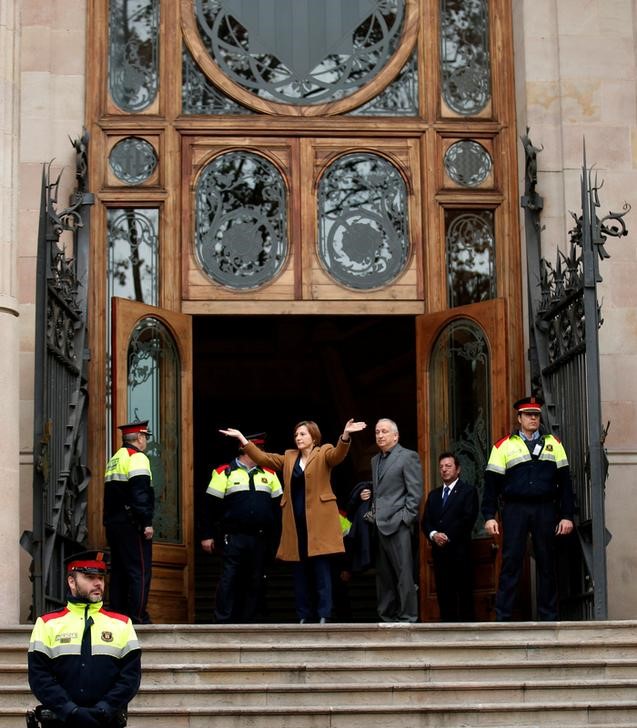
(369, 676)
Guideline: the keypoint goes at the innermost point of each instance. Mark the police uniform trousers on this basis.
(395, 582)
(519, 518)
(240, 592)
(131, 567)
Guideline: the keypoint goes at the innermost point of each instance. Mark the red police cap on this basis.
(529, 404)
(87, 562)
(258, 438)
(131, 428)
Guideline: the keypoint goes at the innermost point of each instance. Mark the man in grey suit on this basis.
(397, 490)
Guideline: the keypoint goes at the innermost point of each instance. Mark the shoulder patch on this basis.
(54, 615)
(114, 615)
(221, 468)
(500, 442)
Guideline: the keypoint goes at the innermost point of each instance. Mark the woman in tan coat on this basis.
(311, 528)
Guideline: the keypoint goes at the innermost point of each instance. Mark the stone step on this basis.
(396, 672)
(356, 695)
(527, 632)
(447, 652)
(446, 715)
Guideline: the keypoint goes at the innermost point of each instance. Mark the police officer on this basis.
(129, 505)
(528, 475)
(242, 511)
(84, 663)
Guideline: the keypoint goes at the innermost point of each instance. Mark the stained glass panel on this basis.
(153, 394)
(300, 51)
(460, 401)
(470, 241)
(363, 227)
(133, 71)
(465, 58)
(241, 220)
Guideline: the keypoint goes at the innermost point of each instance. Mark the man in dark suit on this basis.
(397, 490)
(450, 513)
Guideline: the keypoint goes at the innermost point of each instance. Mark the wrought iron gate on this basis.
(564, 355)
(60, 475)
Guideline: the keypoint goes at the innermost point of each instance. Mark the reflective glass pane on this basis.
(464, 55)
(133, 254)
(153, 394)
(241, 220)
(300, 51)
(400, 98)
(133, 67)
(133, 160)
(200, 96)
(467, 163)
(363, 226)
(460, 401)
(470, 243)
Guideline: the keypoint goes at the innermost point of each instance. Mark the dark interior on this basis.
(265, 373)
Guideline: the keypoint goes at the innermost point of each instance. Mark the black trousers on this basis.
(131, 566)
(241, 590)
(519, 519)
(453, 570)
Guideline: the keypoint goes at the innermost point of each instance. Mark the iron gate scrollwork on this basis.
(565, 317)
(60, 474)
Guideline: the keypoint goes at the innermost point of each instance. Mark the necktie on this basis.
(445, 494)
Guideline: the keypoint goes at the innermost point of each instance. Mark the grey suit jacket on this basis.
(398, 491)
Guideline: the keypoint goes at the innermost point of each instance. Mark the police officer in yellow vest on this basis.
(84, 662)
(129, 506)
(242, 520)
(528, 481)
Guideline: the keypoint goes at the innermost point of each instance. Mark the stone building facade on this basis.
(575, 68)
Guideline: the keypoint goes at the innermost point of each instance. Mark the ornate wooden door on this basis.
(462, 407)
(152, 379)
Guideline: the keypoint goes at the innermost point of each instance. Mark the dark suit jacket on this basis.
(456, 519)
(398, 492)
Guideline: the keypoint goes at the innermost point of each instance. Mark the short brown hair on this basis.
(312, 428)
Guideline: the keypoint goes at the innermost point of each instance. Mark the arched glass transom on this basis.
(363, 226)
(460, 399)
(300, 51)
(241, 220)
(154, 370)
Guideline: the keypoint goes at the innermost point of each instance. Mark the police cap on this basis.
(132, 428)
(529, 404)
(87, 562)
(258, 438)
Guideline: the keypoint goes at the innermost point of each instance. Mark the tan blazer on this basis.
(324, 534)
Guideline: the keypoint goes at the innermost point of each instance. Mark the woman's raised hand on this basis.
(231, 432)
(352, 426)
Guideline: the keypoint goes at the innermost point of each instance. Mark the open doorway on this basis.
(265, 373)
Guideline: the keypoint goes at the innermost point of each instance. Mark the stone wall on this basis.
(576, 79)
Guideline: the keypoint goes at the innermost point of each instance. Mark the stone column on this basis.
(9, 366)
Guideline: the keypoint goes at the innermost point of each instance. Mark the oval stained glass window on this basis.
(241, 220)
(468, 163)
(363, 227)
(300, 51)
(133, 160)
